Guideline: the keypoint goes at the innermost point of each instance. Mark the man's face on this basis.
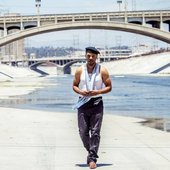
(91, 58)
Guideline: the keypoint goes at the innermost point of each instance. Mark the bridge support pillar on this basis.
(22, 26)
(126, 18)
(56, 19)
(161, 22)
(5, 29)
(108, 18)
(60, 71)
(143, 19)
(90, 18)
(73, 19)
(38, 21)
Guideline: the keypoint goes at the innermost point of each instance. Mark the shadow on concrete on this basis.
(98, 165)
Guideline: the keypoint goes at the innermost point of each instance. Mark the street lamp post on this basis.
(38, 5)
(119, 3)
(125, 7)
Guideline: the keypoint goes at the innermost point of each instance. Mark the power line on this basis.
(133, 5)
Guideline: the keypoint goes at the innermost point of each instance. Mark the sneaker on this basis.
(92, 165)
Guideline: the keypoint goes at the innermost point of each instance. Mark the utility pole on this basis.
(125, 5)
(76, 41)
(133, 5)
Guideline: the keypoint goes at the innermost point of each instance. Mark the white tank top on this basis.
(98, 82)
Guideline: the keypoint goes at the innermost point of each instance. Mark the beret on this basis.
(92, 50)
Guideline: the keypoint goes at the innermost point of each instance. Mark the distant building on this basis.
(114, 53)
(121, 52)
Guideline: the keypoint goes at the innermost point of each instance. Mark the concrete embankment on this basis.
(10, 72)
(156, 63)
(141, 65)
(18, 81)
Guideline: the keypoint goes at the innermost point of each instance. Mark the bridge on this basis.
(149, 23)
(61, 63)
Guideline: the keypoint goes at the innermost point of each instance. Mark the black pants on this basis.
(90, 117)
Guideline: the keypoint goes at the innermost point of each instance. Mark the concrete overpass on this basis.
(128, 21)
(62, 64)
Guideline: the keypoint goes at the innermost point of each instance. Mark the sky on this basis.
(83, 38)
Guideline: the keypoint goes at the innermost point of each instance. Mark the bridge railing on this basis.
(83, 16)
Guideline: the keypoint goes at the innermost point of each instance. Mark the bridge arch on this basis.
(66, 67)
(36, 64)
(29, 26)
(136, 22)
(62, 69)
(127, 27)
(167, 21)
(154, 23)
(13, 28)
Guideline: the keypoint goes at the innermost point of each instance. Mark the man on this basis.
(90, 82)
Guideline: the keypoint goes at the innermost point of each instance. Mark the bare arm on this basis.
(106, 81)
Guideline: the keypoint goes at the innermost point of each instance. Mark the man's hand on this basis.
(85, 93)
(90, 93)
(94, 93)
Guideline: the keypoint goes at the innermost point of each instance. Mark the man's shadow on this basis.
(98, 165)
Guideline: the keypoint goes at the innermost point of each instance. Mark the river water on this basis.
(138, 96)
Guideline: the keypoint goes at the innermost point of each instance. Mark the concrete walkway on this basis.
(37, 140)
